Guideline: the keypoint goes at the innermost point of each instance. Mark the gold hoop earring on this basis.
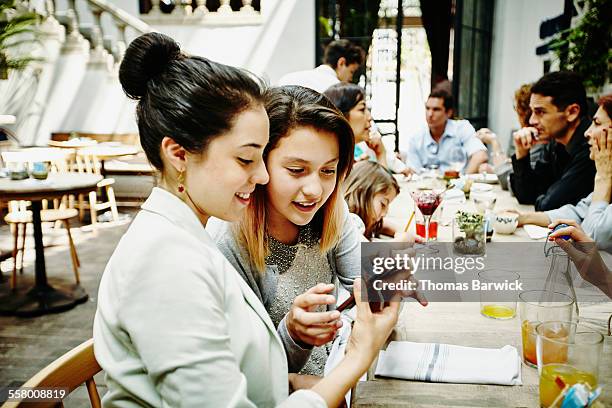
(181, 181)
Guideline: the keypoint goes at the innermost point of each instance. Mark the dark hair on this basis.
(345, 96)
(606, 103)
(449, 101)
(343, 48)
(565, 88)
(189, 98)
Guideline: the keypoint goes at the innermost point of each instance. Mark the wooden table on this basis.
(35, 154)
(106, 151)
(72, 143)
(43, 298)
(462, 324)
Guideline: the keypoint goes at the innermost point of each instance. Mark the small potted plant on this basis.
(469, 236)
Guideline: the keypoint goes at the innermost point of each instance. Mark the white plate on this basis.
(484, 178)
(480, 188)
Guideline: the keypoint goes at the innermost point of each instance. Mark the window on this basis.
(472, 59)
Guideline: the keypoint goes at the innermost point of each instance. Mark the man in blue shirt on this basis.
(446, 144)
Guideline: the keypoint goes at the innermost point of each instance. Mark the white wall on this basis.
(285, 42)
(514, 61)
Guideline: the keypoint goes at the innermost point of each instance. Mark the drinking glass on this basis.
(500, 305)
(456, 158)
(427, 202)
(40, 170)
(18, 170)
(567, 354)
(538, 306)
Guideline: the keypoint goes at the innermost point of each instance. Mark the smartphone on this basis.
(350, 302)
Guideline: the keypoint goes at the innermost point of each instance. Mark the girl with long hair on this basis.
(369, 191)
(296, 238)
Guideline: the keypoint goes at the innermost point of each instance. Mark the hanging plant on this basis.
(17, 28)
(586, 47)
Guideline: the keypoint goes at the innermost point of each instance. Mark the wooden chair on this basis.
(88, 163)
(74, 368)
(19, 221)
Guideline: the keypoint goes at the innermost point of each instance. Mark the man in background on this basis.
(341, 60)
(564, 174)
(445, 143)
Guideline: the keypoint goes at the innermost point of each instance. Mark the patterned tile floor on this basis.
(29, 344)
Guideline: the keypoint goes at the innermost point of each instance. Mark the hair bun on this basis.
(146, 57)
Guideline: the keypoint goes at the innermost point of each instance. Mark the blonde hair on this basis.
(289, 108)
(366, 181)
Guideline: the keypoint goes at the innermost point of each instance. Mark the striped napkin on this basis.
(435, 362)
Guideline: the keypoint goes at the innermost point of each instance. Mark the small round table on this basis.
(72, 143)
(43, 298)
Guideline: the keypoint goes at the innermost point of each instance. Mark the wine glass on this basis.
(427, 202)
(456, 158)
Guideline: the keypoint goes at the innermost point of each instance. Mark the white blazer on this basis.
(177, 326)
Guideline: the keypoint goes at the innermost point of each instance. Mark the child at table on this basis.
(369, 191)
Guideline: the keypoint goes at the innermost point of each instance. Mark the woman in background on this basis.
(350, 100)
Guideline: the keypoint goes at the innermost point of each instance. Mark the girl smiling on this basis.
(296, 233)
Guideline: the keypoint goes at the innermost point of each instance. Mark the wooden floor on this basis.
(29, 344)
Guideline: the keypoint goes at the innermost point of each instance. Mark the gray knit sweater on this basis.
(344, 261)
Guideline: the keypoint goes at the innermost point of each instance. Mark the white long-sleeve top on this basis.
(595, 219)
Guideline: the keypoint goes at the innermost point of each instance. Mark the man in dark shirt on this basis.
(565, 174)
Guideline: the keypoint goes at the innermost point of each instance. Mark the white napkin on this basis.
(535, 231)
(435, 362)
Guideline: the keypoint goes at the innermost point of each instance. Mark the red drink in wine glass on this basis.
(433, 230)
(427, 202)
